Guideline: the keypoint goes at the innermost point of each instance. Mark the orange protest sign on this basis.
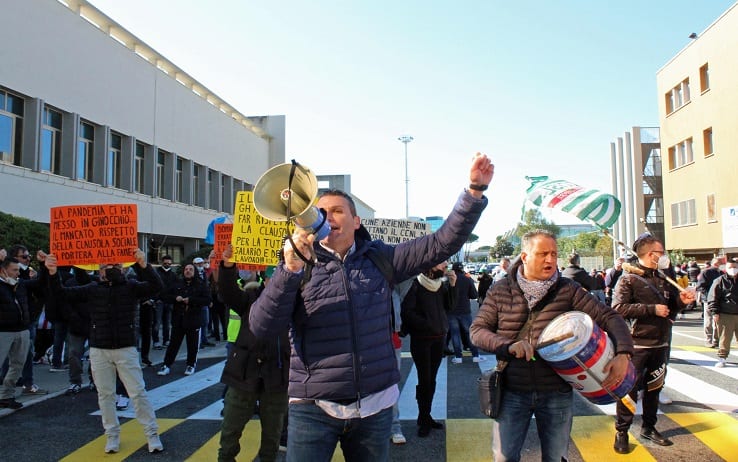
(94, 234)
(222, 238)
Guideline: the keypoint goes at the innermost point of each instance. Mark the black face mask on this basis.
(436, 274)
(114, 274)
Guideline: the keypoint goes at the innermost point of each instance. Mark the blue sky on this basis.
(542, 87)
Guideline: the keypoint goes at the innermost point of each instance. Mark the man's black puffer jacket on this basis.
(113, 305)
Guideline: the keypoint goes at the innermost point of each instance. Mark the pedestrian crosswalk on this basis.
(703, 419)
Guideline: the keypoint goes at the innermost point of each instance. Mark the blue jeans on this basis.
(553, 411)
(313, 435)
(204, 321)
(458, 325)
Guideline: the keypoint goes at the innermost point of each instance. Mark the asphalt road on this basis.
(702, 421)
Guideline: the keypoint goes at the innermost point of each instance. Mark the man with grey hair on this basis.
(722, 303)
(533, 294)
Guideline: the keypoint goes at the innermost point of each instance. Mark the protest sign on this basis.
(94, 234)
(222, 237)
(256, 240)
(394, 231)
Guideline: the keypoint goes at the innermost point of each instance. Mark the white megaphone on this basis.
(296, 187)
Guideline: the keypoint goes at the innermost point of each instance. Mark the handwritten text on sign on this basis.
(255, 239)
(223, 234)
(395, 231)
(93, 234)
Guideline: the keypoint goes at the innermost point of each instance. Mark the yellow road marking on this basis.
(131, 440)
(468, 440)
(716, 430)
(250, 441)
(589, 433)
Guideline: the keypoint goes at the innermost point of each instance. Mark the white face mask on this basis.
(664, 262)
(732, 272)
(22, 266)
(9, 280)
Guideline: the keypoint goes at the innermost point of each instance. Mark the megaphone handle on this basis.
(299, 254)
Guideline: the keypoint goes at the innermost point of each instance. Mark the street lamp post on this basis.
(405, 139)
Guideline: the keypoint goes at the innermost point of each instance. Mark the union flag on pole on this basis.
(592, 205)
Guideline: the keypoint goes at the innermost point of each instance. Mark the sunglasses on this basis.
(25, 257)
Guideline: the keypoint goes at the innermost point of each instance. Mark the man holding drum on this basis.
(534, 290)
(643, 295)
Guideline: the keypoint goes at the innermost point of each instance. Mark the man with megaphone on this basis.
(336, 302)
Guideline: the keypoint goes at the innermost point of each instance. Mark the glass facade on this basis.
(51, 141)
(114, 158)
(11, 127)
(85, 157)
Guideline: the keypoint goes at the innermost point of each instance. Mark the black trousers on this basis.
(427, 355)
(650, 366)
(179, 332)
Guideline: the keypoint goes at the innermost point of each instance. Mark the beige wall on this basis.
(716, 107)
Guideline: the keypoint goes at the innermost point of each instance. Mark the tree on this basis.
(17, 230)
(467, 246)
(502, 248)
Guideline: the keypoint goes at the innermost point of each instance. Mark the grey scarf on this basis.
(534, 291)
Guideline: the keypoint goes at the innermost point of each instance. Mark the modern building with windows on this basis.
(698, 110)
(91, 114)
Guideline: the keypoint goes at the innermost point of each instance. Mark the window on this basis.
(113, 173)
(677, 96)
(85, 143)
(683, 213)
(711, 212)
(195, 188)
(681, 154)
(707, 141)
(51, 141)
(11, 127)
(139, 169)
(178, 191)
(160, 174)
(704, 78)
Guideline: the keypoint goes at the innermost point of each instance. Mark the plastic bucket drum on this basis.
(578, 350)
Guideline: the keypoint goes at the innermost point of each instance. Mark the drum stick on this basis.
(626, 400)
(557, 339)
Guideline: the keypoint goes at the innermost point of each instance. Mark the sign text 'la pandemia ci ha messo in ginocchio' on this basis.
(94, 234)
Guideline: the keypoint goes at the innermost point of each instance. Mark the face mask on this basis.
(437, 274)
(113, 274)
(22, 266)
(10, 281)
(732, 272)
(664, 262)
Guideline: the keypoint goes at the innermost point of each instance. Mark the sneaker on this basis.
(146, 362)
(122, 403)
(73, 389)
(166, 343)
(398, 438)
(720, 363)
(163, 371)
(479, 359)
(34, 390)
(113, 444)
(92, 386)
(155, 443)
(10, 403)
(62, 368)
(157, 346)
(456, 360)
(189, 370)
(664, 399)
